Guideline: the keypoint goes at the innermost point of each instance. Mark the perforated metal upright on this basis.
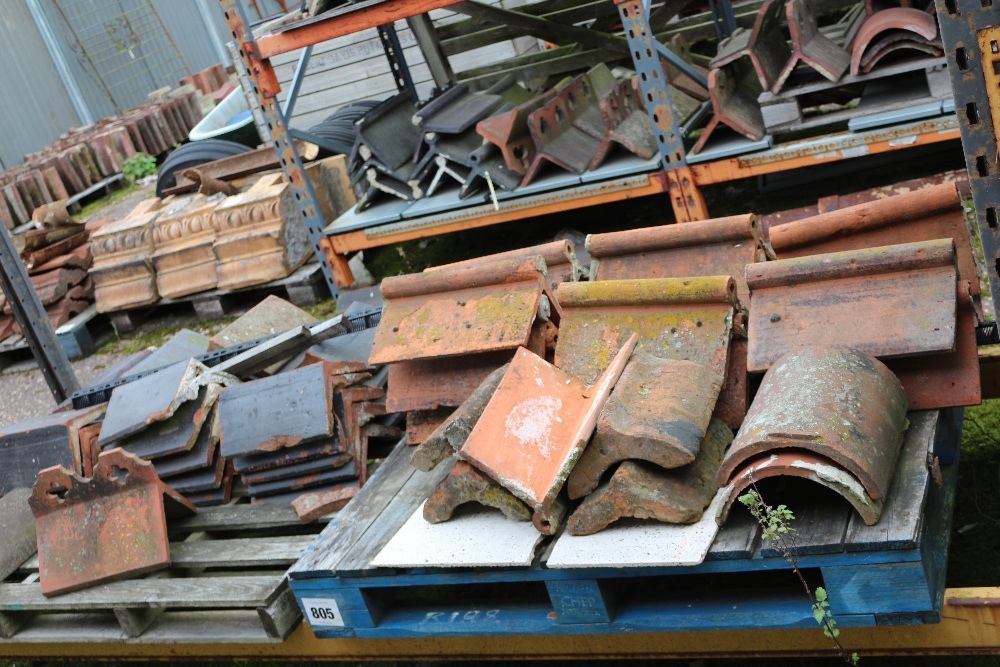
(291, 162)
(970, 30)
(685, 197)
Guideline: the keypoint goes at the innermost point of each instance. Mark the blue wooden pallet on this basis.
(874, 576)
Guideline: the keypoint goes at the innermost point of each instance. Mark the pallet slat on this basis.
(214, 592)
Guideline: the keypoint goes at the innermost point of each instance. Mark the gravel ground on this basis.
(24, 394)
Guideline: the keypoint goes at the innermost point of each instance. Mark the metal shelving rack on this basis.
(679, 175)
(970, 30)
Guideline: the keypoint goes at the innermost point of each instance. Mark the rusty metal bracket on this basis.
(685, 197)
(109, 526)
(856, 298)
(625, 123)
(836, 402)
(508, 130)
(675, 318)
(536, 425)
(658, 412)
(764, 44)
(644, 491)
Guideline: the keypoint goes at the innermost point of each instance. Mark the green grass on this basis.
(157, 335)
(95, 206)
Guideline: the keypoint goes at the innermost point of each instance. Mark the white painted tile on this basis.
(479, 537)
(645, 544)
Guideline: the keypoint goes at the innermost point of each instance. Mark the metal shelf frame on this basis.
(678, 177)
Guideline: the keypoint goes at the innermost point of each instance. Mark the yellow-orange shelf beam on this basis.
(963, 629)
(367, 15)
(361, 239)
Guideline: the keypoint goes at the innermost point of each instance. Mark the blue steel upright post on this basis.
(291, 163)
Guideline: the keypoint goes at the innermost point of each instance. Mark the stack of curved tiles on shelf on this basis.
(832, 415)
(933, 381)
(722, 246)
(892, 30)
(442, 332)
(864, 299)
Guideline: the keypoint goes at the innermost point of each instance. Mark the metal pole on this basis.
(206, 17)
(34, 322)
(293, 91)
(62, 67)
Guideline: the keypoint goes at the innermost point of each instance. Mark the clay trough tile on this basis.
(109, 526)
(950, 379)
(659, 412)
(465, 310)
(717, 247)
(926, 214)
(561, 264)
(645, 491)
(675, 318)
(536, 425)
(857, 298)
(838, 403)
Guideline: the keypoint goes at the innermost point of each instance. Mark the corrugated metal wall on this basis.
(35, 107)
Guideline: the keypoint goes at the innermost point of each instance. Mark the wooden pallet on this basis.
(304, 287)
(78, 337)
(903, 85)
(226, 584)
(891, 573)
